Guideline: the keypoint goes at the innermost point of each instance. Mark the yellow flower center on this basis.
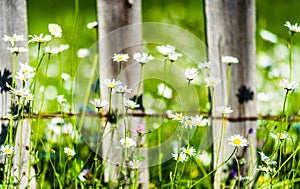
(237, 141)
(188, 151)
(135, 165)
(212, 82)
(9, 117)
(127, 143)
(188, 123)
(120, 58)
(7, 151)
(179, 117)
(111, 85)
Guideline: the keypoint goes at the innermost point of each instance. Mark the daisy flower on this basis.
(173, 56)
(83, 53)
(205, 158)
(288, 85)
(17, 50)
(187, 122)
(164, 91)
(134, 164)
(55, 30)
(212, 81)
(204, 65)
(10, 117)
(98, 103)
(39, 38)
(111, 83)
(189, 151)
(7, 150)
(127, 142)
(177, 117)
(229, 60)
(131, 104)
(181, 157)
(69, 151)
(92, 25)
(165, 49)
(61, 100)
(190, 73)
(142, 58)
(62, 48)
(266, 159)
(13, 39)
(122, 89)
(200, 121)
(224, 110)
(293, 28)
(51, 50)
(237, 141)
(280, 136)
(120, 57)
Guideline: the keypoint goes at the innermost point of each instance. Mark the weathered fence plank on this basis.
(13, 20)
(231, 32)
(118, 35)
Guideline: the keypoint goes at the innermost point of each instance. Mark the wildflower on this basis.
(229, 60)
(131, 104)
(266, 169)
(127, 142)
(17, 50)
(212, 81)
(164, 91)
(177, 117)
(62, 48)
(26, 72)
(142, 58)
(205, 158)
(22, 92)
(55, 30)
(173, 56)
(280, 136)
(92, 25)
(122, 89)
(181, 157)
(189, 151)
(120, 57)
(135, 164)
(83, 53)
(83, 174)
(187, 122)
(111, 83)
(39, 38)
(10, 117)
(288, 85)
(7, 150)
(265, 159)
(190, 73)
(224, 110)
(165, 49)
(61, 100)
(13, 39)
(29, 97)
(65, 76)
(140, 128)
(69, 151)
(51, 50)
(204, 65)
(200, 121)
(268, 36)
(293, 28)
(237, 141)
(98, 103)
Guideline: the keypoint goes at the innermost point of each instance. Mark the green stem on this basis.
(290, 58)
(228, 84)
(233, 153)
